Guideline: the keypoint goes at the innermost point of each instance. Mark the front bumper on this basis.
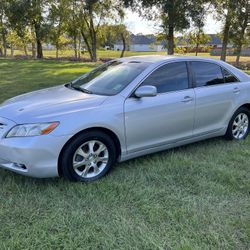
(32, 156)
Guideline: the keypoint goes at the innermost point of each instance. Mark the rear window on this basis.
(207, 74)
(229, 77)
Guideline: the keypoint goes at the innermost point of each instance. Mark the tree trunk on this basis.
(5, 49)
(4, 45)
(57, 49)
(57, 52)
(25, 49)
(93, 33)
(94, 49)
(33, 50)
(198, 41)
(196, 49)
(170, 40)
(3, 34)
(79, 48)
(38, 41)
(39, 49)
(242, 33)
(171, 28)
(124, 45)
(12, 50)
(75, 46)
(87, 44)
(225, 38)
(238, 52)
(1, 52)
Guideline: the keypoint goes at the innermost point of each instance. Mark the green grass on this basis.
(21, 76)
(192, 197)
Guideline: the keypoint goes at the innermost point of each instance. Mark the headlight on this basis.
(32, 129)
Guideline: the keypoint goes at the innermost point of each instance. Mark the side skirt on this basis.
(172, 145)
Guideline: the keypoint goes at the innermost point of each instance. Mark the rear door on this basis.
(216, 91)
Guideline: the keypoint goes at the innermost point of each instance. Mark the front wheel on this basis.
(239, 125)
(88, 157)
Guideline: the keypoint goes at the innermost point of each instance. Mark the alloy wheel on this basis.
(90, 159)
(240, 126)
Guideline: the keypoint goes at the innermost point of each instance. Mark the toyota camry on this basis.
(122, 109)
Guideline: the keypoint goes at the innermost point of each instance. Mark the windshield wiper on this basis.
(79, 88)
(82, 89)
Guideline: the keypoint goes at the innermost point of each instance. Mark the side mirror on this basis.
(146, 91)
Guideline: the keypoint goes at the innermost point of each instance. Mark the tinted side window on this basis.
(229, 77)
(170, 77)
(207, 74)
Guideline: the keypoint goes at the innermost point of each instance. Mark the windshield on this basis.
(110, 78)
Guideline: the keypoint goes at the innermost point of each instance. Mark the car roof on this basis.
(146, 58)
(159, 59)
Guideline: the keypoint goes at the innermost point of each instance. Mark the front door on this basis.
(165, 118)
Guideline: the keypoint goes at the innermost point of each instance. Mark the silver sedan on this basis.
(123, 109)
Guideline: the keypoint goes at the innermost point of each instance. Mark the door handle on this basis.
(187, 99)
(236, 90)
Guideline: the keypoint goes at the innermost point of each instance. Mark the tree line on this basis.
(31, 23)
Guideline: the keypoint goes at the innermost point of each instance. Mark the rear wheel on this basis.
(88, 157)
(239, 125)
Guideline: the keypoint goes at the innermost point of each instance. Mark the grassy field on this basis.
(193, 197)
(115, 54)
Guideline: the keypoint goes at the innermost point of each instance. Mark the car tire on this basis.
(239, 125)
(96, 152)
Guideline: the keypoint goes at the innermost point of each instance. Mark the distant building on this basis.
(48, 46)
(147, 43)
(142, 43)
(215, 42)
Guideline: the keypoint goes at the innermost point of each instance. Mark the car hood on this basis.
(48, 103)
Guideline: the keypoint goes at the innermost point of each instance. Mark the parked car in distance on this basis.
(123, 109)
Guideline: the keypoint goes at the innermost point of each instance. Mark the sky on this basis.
(137, 24)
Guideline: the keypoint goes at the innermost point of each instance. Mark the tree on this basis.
(18, 23)
(197, 38)
(124, 35)
(93, 13)
(235, 14)
(14, 41)
(73, 24)
(225, 11)
(58, 16)
(33, 13)
(110, 34)
(240, 26)
(107, 36)
(3, 29)
(175, 15)
(175, 18)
